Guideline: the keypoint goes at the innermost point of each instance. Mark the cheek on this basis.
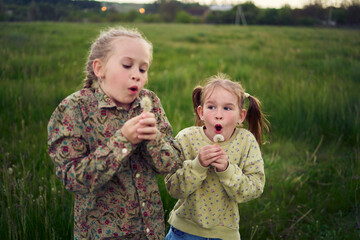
(232, 119)
(206, 116)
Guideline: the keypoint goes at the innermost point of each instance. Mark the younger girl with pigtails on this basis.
(221, 163)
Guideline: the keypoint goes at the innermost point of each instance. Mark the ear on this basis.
(200, 112)
(98, 68)
(242, 116)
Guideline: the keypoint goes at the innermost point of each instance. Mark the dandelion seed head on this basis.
(218, 138)
(146, 104)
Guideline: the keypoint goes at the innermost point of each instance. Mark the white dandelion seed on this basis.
(146, 104)
(218, 138)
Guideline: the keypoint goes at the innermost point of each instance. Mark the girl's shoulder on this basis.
(77, 102)
(244, 134)
(189, 132)
(82, 95)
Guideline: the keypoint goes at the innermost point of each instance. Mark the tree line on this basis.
(347, 14)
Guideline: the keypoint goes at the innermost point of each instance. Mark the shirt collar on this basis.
(106, 102)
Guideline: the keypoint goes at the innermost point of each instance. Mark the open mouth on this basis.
(133, 89)
(218, 128)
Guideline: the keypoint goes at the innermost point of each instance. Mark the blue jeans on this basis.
(176, 234)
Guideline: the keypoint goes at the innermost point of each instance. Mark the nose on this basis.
(135, 75)
(218, 115)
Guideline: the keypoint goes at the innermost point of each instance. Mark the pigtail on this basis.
(90, 75)
(256, 119)
(196, 98)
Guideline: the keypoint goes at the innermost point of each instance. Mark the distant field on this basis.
(308, 80)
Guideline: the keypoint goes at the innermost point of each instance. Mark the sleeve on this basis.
(163, 154)
(245, 184)
(188, 178)
(78, 168)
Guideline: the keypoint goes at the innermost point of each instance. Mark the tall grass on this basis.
(306, 78)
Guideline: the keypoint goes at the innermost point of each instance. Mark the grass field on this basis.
(308, 80)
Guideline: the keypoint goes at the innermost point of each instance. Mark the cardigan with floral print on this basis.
(114, 181)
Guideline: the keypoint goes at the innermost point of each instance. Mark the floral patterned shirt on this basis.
(114, 181)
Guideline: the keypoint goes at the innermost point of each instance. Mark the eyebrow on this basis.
(131, 59)
(226, 104)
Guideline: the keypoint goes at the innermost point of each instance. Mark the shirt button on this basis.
(137, 175)
(143, 204)
(124, 150)
(147, 230)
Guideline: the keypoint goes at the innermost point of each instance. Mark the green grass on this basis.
(307, 79)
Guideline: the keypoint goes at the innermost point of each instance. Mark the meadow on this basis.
(308, 80)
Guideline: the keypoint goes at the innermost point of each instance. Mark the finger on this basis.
(134, 119)
(144, 115)
(219, 167)
(148, 122)
(210, 152)
(147, 136)
(146, 129)
(213, 153)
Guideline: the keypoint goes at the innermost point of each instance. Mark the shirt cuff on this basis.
(120, 145)
(197, 167)
(227, 174)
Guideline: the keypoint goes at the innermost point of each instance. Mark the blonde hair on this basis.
(101, 49)
(255, 119)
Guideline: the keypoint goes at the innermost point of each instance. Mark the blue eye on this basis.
(211, 107)
(142, 70)
(126, 66)
(227, 108)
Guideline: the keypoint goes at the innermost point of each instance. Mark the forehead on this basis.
(221, 94)
(132, 48)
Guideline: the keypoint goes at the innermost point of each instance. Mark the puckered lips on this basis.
(133, 90)
(218, 128)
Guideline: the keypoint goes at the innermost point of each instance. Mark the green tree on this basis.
(268, 16)
(250, 12)
(353, 16)
(2, 10)
(284, 16)
(33, 12)
(183, 17)
(168, 10)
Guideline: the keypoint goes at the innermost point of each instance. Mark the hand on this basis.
(222, 162)
(148, 129)
(139, 128)
(209, 154)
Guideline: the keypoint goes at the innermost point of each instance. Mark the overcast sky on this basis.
(258, 3)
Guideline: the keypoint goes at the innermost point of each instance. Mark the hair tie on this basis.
(95, 84)
(247, 95)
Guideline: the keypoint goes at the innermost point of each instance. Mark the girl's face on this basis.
(220, 113)
(125, 73)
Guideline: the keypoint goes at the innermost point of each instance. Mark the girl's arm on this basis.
(190, 176)
(79, 168)
(186, 180)
(162, 154)
(247, 183)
